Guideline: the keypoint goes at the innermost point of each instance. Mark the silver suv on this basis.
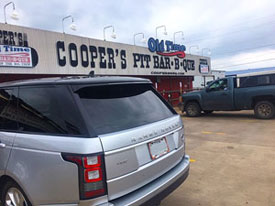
(104, 141)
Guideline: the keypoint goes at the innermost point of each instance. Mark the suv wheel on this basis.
(264, 110)
(193, 109)
(13, 195)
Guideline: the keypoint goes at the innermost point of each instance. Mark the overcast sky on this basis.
(239, 33)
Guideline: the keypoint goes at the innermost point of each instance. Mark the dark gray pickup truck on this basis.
(233, 94)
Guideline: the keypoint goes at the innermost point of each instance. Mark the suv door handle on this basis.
(2, 145)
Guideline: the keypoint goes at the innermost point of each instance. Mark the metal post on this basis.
(177, 33)
(5, 10)
(158, 27)
(106, 27)
(63, 21)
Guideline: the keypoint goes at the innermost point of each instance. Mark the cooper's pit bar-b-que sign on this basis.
(13, 38)
(88, 56)
(56, 53)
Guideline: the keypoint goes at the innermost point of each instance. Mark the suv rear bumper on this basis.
(157, 190)
(150, 194)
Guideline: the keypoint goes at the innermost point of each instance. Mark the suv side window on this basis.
(8, 110)
(49, 110)
(219, 85)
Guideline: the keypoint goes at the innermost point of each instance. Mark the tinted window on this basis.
(272, 79)
(48, 111)
(263, 80)
(118, 107)
(8, 110)
(235, 82)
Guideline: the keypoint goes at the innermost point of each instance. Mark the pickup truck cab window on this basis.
(219, 85)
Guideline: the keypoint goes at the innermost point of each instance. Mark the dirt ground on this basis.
(233, 161)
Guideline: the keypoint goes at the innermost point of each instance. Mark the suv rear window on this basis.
(114, 108)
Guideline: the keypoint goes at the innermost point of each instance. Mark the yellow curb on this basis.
(205, 132)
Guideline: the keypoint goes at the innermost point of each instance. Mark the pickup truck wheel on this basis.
(12, 195)
(264, 110)
(193, 109)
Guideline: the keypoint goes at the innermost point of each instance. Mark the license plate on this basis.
(158, 148)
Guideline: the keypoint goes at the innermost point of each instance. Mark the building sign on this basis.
(14, 50)
(167, 48)
(68, 54)
(14, 56)
(13, 38)
(204, 68)
(89, 55)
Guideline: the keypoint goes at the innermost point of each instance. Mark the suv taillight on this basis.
(92, 179)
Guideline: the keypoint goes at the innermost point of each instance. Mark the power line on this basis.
(233, 65)
(229, 33)
(246, 49)
(240, 60)
(242, 23)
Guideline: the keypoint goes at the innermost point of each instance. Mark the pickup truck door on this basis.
(218, 96)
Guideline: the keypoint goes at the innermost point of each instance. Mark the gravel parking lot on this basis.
(233, 161)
